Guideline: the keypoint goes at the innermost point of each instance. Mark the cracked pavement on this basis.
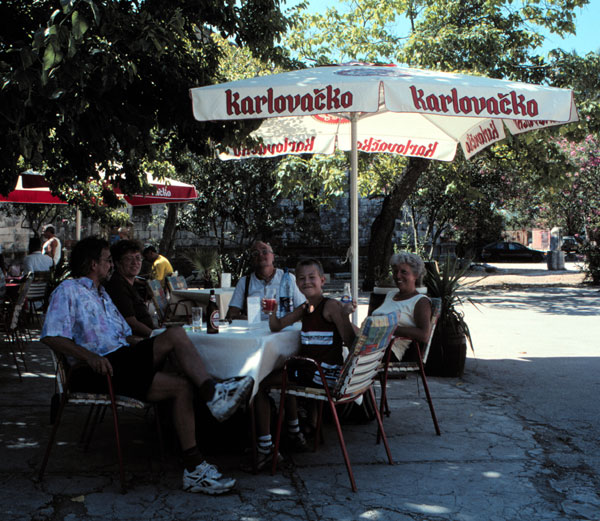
(519, 439)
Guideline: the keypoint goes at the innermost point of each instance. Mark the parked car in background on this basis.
(502, 251)
(569, 244)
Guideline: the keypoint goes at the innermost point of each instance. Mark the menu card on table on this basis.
(253, 305)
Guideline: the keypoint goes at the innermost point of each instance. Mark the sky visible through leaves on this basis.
(586, 39)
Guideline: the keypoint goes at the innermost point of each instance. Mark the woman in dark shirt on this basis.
(127, 259)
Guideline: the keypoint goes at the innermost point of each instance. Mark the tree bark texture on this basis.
(382, 230)
(169, 230)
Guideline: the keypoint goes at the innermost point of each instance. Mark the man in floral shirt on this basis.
(83, 323)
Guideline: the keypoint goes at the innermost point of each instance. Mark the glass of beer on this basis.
(270, 300)
(196, 319)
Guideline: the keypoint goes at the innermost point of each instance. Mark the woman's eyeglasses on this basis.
(130, 259)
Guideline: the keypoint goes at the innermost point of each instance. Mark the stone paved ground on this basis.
(519, 439)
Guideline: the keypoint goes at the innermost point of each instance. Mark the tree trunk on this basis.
(382, 229)
(169, 230)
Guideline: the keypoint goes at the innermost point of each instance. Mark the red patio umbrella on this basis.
(32, 188)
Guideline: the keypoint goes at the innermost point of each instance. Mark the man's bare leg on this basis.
(175, 340)
(222, 398)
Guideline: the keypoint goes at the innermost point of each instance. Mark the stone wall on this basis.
(330, 227)
(323, 230)
(13, 238)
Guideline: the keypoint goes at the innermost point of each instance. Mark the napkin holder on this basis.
(225, 280)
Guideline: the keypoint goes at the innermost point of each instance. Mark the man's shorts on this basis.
(133, 372)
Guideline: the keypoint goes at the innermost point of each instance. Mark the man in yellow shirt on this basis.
(161, 267)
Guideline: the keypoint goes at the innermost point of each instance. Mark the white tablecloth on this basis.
(241, 351)
(202, 296)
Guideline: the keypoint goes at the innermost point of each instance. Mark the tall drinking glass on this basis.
(196, 319)
(270, 301)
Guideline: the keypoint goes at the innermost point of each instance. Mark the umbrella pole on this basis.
(78, 225)
(354, 208)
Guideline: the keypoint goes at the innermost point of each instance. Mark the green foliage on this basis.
(206, 261)
(461, 200)
(591, 252)
(582, 74)
(356, 30)
(574, 203)
(318, 178)
(236, 201)
(103, 86)
(445, 285)
(497, 38)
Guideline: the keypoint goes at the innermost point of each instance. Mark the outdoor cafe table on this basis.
(239, 350)
(202, 296)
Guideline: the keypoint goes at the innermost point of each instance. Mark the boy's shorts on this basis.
(310, 377)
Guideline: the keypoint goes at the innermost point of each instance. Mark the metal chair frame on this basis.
(98, 402)
(14, 325)
(37, 294)
(175, 282)
(356, 378)
(417, 366)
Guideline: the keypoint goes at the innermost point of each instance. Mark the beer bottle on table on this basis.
(212, 314)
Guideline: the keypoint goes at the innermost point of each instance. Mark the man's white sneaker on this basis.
(205, 478)
(229, 395)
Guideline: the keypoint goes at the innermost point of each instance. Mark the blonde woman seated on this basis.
(415, 320)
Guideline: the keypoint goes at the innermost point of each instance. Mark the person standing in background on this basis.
(52, 246)
(161, 267)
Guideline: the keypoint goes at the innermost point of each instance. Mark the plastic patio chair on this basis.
(98, 403)
(166, 311)
(356, 378)
(176, 282)
(405, 366)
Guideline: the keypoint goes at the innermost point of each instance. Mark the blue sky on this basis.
(587, 23)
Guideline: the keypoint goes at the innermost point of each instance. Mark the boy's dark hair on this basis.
(123, 247)
(84, 252)
(311, 262)
(149, 248)
(35, 244)
(49, 228)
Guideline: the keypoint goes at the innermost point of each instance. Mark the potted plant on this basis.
(448, 349)
(206, 265)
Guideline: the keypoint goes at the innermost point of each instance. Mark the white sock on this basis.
(293, 426)
(265, 444)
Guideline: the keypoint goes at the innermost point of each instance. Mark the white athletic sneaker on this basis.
(228, 396)
(205, 478)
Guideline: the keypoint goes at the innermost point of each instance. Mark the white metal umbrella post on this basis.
(354, 244)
